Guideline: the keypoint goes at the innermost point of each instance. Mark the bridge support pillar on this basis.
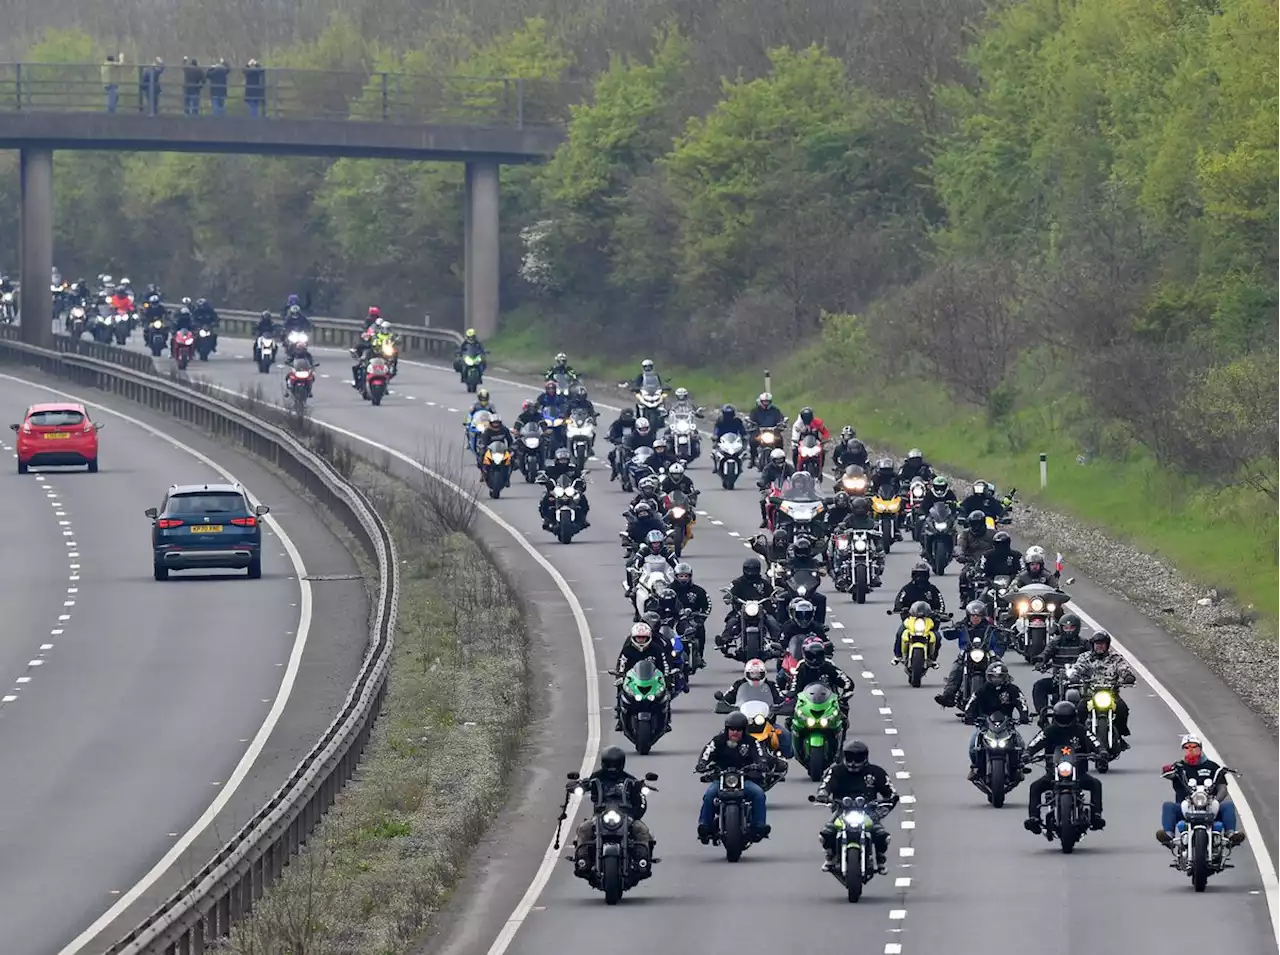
(36, 246)
(482, 275)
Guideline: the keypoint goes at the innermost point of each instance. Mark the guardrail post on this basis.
(386, 106)
(17, 86)
(520, 103)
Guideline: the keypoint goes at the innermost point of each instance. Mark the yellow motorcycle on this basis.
(886, 505)
(919, 643)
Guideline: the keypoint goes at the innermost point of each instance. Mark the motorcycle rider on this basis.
(728, 422)
(763, 416)
(975, 626)
(1002, 560)
(1037, 569)
(734, 748)
(1103, 663)
(618, 432)
(775, 472)
(751, 585)
(677, 480)
(648, 489)
(756, 674)
(860, 519)
(914, 465)
(641, 644)
(362, 352)
(802, 556)
(938, 491)
(1062, 649)
(483, 402)
(204, 316)
(641, 437)
(183, 319)
(643, 521)
(578, 401)
(295, 321)
(816, 668)
(470, 344)
(807, 423)
(800, 625)
(854, 775)
(849, 451)
(551, 398)
(884, 475)
(529, 413)
(122, 300)
(561, 464)
(560, 367)
(655, 545)
(1195, 767)
(998, 695)
(1064, 729)
(266, 325)
(981, 497)
(617, 787)
(917, 590)
(496, 431)
(646, 368)
(697, 601)
(972, 544)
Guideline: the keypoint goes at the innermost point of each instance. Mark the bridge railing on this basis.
(286, 94)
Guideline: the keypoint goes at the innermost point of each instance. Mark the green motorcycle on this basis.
(818, 728)
(643, 703)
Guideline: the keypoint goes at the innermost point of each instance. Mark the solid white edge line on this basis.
(245, 765)
(1261, 855)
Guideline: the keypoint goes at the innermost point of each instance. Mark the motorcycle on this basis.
(1200, 847)
(886, 503)
(818, 728)
(638, 467)
(853, 822)
(915, 497)
(1001, 775)
(299, 381)
(472, 368)
(79, 323)
(102, 329)
(851, 555)
(756, 704)
(122, 325)
(977, 657)
(810, 455)
(996, 597)
(184, 346)
(497, 467)
(294, 342)
(853, 481)
(683, 431)
(766, 440)
(376, 375)
(679, 518)
(651, 401)
(389, 351)
(567, 500)
(529, 443)
(264, 352)
(939, 536)
(726, 459)
(1101, 699)
(204, 343)
(477, 426)
(797, 504)
(1066, 815)
(733, 813)
(8, 308)
(617, 868)
(919, 640)
(654, 574)
(644, 705)
(552, 430)
(1038, 607)
(157, 336)
(581, 435)
(752, 640)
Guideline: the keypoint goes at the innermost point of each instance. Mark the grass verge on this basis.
(1219, 538)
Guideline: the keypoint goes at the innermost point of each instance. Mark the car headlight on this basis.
(977, 656)
(1102, 700)
(1065, 769)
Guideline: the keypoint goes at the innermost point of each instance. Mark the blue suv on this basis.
(206, 525)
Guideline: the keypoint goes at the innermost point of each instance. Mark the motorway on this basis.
(953, 859)
(129, 706)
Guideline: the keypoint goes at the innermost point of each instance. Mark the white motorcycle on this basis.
(580, 434)
(682, 429)
(8, 308)
(726, 458)
(655, 574)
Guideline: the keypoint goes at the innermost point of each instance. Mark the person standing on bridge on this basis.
(111, 71)
(255, 89)
(192, 82)
(217, 76)
(149, 88)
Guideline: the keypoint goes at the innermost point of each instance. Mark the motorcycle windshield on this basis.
(550, 415)
(650, 386)
(642, 455)
(531, 430)
(801, 489)
(302, 365)
(754, 696)
(471, 351)
(731, 443)
(658, 566)
(940, 513)
(497, 449)
(479, 420)
(645, 679)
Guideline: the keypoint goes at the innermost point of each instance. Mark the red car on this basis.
(57, 434)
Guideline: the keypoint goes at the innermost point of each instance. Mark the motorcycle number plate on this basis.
(644, 716)
(206, 529)
(55, 435)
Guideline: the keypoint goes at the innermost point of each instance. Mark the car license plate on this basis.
(57, 434)
(206, 528)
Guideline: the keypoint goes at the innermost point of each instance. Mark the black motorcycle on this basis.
(733, 813)
(204, 343)
(939, 536)
(566, 506)
(752, 639)
(997, 739)
(1065, 814)
(618, 867)
(853, 822)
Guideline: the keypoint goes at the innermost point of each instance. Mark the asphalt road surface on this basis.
(127, 703)
(963, 876)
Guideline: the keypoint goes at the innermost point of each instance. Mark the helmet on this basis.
(526, 404)
(578, 391)
(495, 420)
(814, 650)
(803, 546)
(1035, 555)
(659, 441)
(668, 602)
(997, 673)
(1101, 636)
(550, 388)
(562, 359)
(751, 567)
(842, 499)
(375, 312)
(613, 759)
(649, 484)
(641, 634)
(266, 316)
(655, 539)
(777, 456)
(735, 723)
(764, 399)
(202, 303)
(980, 488)
(977, 520)
(628, 416)
(471, 333)
(860, 506)
(646, 365)
(682, 394)
(186, 300)
(915, 454)
(847, 432)
(729, 411)
(802, 611)
(806, 415)
(482, 395)
(920, 608)
(1188, 741)
(562, 456)
(294, 310)
(940, 486)
(642, 425)
(124, 283)
(1002, 541)
(684, 572)
(292, 300)
(676, 470)
(643, 509)
(1064, 713)
(975, 608)
(1069, 626)
(920, 572)
(754, 672)
(652, 619)
(854, 754)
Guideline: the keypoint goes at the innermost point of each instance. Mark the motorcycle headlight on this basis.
(612, 819)
(768, 437)
(570, 492)
(823, 722)
(1065, 769)
(1051, 608)
(977, 656)
(997, 742)
(77, 312)
(855, 820)
(302, 375)
(558, 492)
(1037, 604)
(811, 722)
(919, 626)
(652, 696)
(859, 545)
(1102, 700)
(842, 544)
(752, 609)
(677, 513)
(638, 696)
(1200, 799)
(1021, 607)
(388, 349)
(940, 525)
(759, 720)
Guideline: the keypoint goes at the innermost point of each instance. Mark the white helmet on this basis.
(754, 672)
(646, 365)
(676, 470)
(1035, 555)
(641, 634)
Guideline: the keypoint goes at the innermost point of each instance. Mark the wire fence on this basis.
(212, 93)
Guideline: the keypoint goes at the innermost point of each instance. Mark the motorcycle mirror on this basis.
(151, 512)
(651, 777)
(572, 776)
(13, 427)
(812, 798)
(719, 694)
(722, 708)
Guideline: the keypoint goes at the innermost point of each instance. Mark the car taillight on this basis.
(245, 521)
(88, 426)
(165, 523)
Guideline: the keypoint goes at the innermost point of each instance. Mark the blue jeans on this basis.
(785, 745)
(113, 97)
(975, 751)
(218, 104)
(708, 815)
(257, 108)
(1171, 815)
(191, 104)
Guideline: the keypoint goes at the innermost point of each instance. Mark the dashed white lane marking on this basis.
(892, 948)
(717, 523)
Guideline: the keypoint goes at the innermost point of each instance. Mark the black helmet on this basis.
(266, 316)
(977, 520)
(803, 546)
(860, 506)
(578, 391)
(1002, 541)
(613, 758)
(802, 611)
(855, 753)
(1069, 626)
(815, 651)
(997, 673)
(562, 454)
(842, 499)
(806, 415)
(1064, 713)
(751, 567)
(728, 411)
(920, 572)
(736, 721)
(1100, 636)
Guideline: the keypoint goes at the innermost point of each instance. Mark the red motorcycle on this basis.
(376, 376)
(184, 346)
